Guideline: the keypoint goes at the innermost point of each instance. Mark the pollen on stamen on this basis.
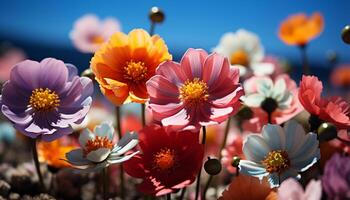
(165, 159)
(135, 71)
(44, 99)
(194, 91)
(97, 143)
(276, 161)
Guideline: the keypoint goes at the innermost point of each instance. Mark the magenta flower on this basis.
(44, 99)
(200, 90)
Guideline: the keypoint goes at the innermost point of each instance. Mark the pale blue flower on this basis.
(7, 132)
(279, 153)
(98, 149)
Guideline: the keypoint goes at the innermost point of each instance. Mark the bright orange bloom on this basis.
(299, 29)
(124, 64)
(53, 153)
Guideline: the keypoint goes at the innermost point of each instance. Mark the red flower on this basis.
(332, 109)
(170, 160)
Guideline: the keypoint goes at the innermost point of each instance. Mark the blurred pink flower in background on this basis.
(291, 189)
(89, 32)
(8, 60)
(234, 148)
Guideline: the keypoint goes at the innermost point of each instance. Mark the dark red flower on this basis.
(169, 160)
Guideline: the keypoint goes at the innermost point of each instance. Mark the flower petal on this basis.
(255, 148)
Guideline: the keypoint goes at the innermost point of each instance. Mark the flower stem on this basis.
(204, 135)
(37, 164)
(168, 196)
(151, 29)
(119, 130)
(143, 114)
(104, 180)
(269, 117)
(183, 191)
(304, 58)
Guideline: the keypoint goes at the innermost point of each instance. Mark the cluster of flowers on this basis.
(187, 101)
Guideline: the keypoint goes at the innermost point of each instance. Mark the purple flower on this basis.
(336, 178)
(44, 99)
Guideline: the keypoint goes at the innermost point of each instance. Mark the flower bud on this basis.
(326, 132)
(212, 166)
(88, 73)
(345, 34)
(156, 15)
(235, 161)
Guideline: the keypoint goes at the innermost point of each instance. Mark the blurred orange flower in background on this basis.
(299, 29)
(340, 76)
(124, 64)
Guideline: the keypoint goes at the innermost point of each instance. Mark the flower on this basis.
(340, 76)
(44, 99)
(53, 153)
(279, 153)
(98, 149)
(332, 109)
(234, 148)
(89, 32)
(124, 64)
(7, 60)
(291, 189)
(242, 188)
(299, 29)
(335, 180)
(244, 50)
(275, 96)
(201, 90)
(167, 163)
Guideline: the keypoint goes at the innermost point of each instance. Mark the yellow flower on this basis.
(124, 64)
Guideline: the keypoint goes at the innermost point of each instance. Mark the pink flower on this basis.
(8, 60)
(89, 32)
(201, 90)
(234, 148)
(291, 189)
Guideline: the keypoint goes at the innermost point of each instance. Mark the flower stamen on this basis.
(135, 71)
(276, 161)
(239, 57)
(194, 91)
(97, 143)
(165, 159)
(44, 99)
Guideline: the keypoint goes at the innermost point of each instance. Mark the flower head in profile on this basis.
(244, 51)
(299, 29)
(201, 90)
(279, 153)
(124, 64)
(335, 181)
(169, 160)
(291, 189)
(98, 149)
(331, 109)
(45, 99)
(89, 32)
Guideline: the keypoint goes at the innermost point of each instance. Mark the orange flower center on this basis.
(194, 91)
(97, 39)
(135, 71)
(276, 161)
(164, 159)
(97, 143)
(240, 57)
(44, 99)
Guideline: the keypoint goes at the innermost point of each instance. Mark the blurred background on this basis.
(41, 28)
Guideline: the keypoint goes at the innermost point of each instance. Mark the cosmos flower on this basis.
(291, 189)
(98, 149)
(340, 76)
(44, 99)
(201, 90)
(167, 163)
(279, 153)
(299, 29)
(244, 50)
(335, 181)
(331, 109)
(124, 64)
(89, 32)
(275, 96)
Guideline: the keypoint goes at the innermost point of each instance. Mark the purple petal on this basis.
(72, 71)
(25, 75)
(53, 74)
(13, 99)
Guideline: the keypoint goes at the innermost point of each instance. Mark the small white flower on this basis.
(98, 150)
(244, 50)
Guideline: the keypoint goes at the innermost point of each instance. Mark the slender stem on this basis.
(207, 186)
(104, 180)
(269, 117)
(37, 164)
(204, 135)
(143, 114)
(151, 30)
(168, 196)
(306, 67)
(237, 171)
(183, 191)
(119, 130)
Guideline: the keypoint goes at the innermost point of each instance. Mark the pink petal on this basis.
(192, 62)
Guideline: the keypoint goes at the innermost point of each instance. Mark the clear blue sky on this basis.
(188, 23)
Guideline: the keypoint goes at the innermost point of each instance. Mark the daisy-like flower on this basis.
(331, 109)
(274, 98)
(98, 149)
(244, 50)
(44, 99)
(169, 160)
(89, 32)
(124, 64)
(200, 90)
(279, 153)
(299, 29)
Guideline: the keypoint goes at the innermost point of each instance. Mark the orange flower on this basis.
(53, 153)
(124, 64)
(299, 29)
(340, 77)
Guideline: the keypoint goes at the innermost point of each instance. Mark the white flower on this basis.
(279, 153)
(244, 50)
(98, 150)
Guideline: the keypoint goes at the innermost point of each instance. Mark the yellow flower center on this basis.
(240, 57)
(135, 71)
(44, 99)
(194, 91)
(97, 39)
(97, 143)
(276, 161)
(164, 159)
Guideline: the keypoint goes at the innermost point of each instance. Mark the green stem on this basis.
(204, 135)
(143, 114)
(121, 172)
(37, 164)
(168, 196)
(305, 61)
(104, 180)
(183, 191)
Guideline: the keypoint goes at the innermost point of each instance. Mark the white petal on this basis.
(254, 100)
(274, 136)
(98, 155)
(294, 133)
(279, 89)
(251, 168)
(93, 168)
(242, 70)
(127, 142)
(105, 129)
(255, 148)
(262, 69)
(115, 159)
(265, 86)
(75, 157)
(313, 190)
(85, 136)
